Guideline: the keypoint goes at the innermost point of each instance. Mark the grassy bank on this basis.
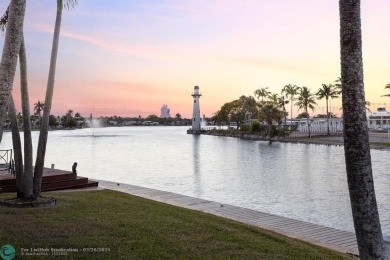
(120, 226)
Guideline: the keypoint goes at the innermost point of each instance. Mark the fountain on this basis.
(203, 123)
(93, 123)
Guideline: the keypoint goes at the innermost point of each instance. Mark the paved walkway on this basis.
(338, 240)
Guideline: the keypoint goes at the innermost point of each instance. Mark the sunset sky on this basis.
(128, 57)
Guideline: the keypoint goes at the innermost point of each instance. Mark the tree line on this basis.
(270, 107)
(73, 119)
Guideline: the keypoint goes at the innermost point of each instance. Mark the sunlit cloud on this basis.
(133, 56)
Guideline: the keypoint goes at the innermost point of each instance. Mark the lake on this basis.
(300, 181)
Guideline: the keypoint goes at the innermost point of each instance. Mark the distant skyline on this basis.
(128, 58)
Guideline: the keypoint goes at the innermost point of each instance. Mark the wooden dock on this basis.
(335, 239)
(52, 179)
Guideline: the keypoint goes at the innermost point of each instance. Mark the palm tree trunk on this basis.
(17, 148)
(28, 150)
(308, 122)
(356, 140)
(13, 38)
(327, 116)
(40, 160)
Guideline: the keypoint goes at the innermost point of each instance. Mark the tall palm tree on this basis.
(16, 143)
(38, 107)
(387, 87)
(306, 100)
(41, 151)
(327, 91)
(290, 91)
(356, 140)
(282, 104)
(262, 93)
(24, 172)
(28, 149)
(338, 86)
(13, 39)
(279, 102)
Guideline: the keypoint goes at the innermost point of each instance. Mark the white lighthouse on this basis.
(196, 111)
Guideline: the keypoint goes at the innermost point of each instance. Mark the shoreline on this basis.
(377, 143)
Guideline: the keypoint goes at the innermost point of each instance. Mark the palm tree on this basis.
(273, 98)
(38, 107)
(327, 91)
(69, 113)
(270, 113)
(306, 100)
(41, 151)
(290, 91)
(338, 85)
(387, 87)
(28, 149)
(24, 173)
(263, 93)
(178, 116)
(279, 102)
(367, 105)
(13, 39)
(356, 140)
(16, 143)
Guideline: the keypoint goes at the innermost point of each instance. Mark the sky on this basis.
(130, 57)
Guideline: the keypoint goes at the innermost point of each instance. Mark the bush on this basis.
(284, 131)
(244, 128)
(254, 127)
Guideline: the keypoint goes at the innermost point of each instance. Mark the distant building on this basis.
(165, 112)
(378, 120)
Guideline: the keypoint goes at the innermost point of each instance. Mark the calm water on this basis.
(305, 182)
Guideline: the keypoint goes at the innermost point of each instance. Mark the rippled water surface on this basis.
(305, 182)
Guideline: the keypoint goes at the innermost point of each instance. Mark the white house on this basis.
(319, 125)
(378, 120)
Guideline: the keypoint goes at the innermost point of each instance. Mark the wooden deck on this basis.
(338, 240)
(52, 179)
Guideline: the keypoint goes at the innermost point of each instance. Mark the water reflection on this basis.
(305, 182)
(196, 164)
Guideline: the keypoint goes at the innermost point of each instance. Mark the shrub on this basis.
(245, 128)
(254, 127)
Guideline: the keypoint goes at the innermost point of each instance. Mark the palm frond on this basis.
(4, 20)
(70, 4)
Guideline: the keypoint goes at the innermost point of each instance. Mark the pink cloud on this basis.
(144, 50)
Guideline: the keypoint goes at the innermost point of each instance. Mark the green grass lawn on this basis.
(128, 227)
(386, 144)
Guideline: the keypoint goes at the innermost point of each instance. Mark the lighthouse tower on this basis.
(196, 111)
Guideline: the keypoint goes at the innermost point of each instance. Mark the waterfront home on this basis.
(378, 120)
(319, 125)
